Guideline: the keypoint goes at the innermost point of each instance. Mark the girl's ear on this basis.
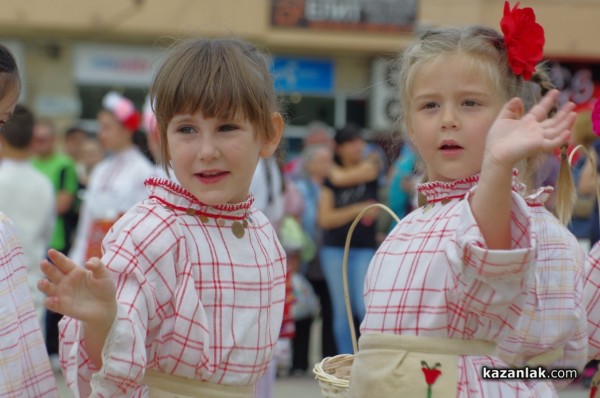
(270, 144)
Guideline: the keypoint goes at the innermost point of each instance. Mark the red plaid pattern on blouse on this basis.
(433, 276)
(194, 300)
(591, 291)
(554, 314)
(24, 366)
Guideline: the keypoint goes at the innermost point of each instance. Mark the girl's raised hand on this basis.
(87, 294)
(513, 138)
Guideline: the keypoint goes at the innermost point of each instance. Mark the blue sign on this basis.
(303, 75)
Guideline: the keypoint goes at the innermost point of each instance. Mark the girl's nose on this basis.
(208, 149)
(449, 120)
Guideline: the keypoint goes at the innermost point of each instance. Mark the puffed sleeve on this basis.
(141, 251)
(491, 284)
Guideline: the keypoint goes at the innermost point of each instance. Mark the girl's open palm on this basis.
(87, 294)
(513, 138)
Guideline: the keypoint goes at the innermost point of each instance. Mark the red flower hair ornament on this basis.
(523, 39)
(123, 109)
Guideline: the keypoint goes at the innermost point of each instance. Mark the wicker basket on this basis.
(333, 373)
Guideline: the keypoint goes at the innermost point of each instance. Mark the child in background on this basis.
(191, 299)
(24, 365)
(455, 275)
(26, 197)
(117, 182)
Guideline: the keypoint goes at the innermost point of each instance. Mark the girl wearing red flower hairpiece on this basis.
(117, 182)
(479, 276)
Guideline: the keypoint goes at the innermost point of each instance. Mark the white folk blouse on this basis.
(194, 300)
(433, 276)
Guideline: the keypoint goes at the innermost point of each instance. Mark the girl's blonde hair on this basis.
(482, 51)
(222, 78)
(583, 132)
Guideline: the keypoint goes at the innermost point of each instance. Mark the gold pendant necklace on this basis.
(238, 226)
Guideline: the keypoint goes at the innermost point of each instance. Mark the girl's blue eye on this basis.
(430, 105)
(471, 103)
(185, 130)
(228, 127)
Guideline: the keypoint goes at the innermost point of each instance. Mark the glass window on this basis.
(302, 109)
(356, 112)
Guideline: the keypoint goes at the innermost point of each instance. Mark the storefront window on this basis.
(356, 111)
(302, 109)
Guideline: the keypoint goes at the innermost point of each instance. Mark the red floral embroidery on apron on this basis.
(431, 375)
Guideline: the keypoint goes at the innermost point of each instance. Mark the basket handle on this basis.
(590, 159)
(345, 265)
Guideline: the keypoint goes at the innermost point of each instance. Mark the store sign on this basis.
(109, 65)
(359, 15)
(577, 82)
(50, 105)
(303, 75)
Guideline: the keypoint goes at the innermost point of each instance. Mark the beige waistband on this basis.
(162, 385)
(429, 345)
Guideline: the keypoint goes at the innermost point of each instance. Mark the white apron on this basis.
(388, 365)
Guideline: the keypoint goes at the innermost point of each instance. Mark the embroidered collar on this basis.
(440, 191)
(176, 198)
